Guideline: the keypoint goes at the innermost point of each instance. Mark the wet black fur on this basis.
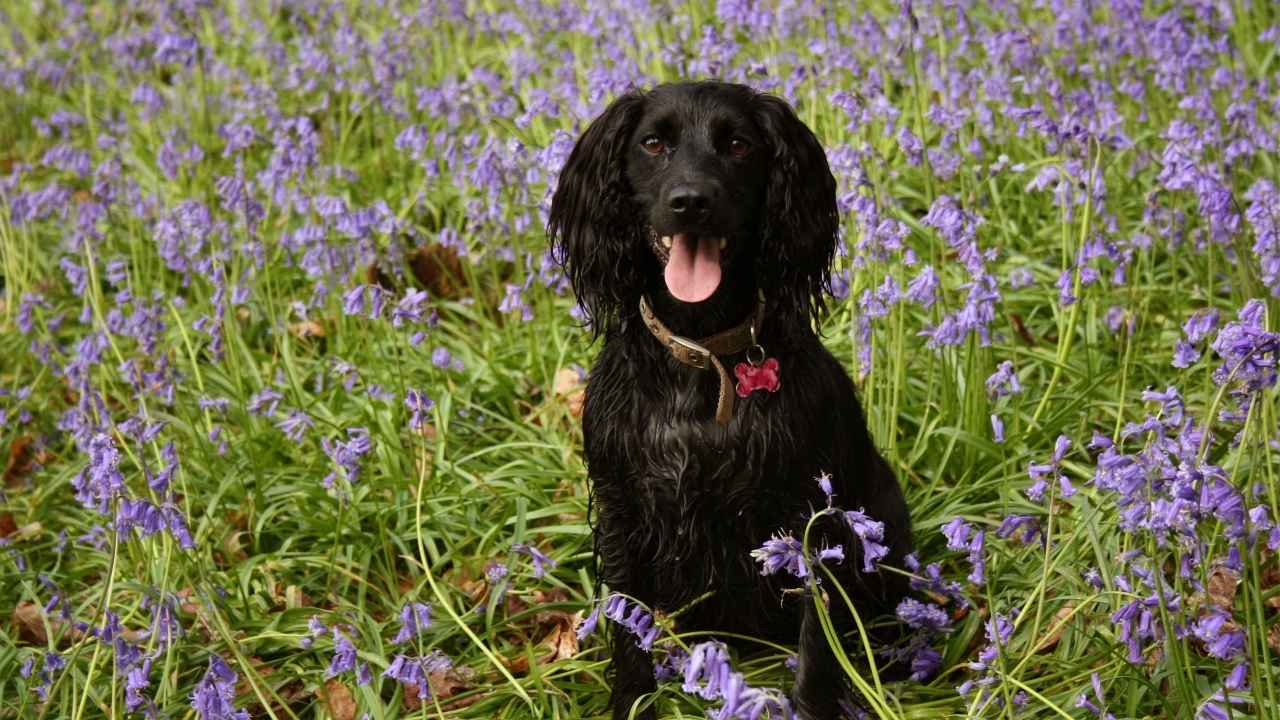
(680, 501)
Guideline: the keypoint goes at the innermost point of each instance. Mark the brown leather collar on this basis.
(702, 353)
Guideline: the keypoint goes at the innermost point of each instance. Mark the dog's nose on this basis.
(689, 201)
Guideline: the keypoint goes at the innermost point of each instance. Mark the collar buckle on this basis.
(689, 352)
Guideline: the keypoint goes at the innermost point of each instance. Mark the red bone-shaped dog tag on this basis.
(757, 377)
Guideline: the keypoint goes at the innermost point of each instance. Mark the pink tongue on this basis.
(693, 270)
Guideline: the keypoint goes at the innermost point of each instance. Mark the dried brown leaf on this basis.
(1223, 583)
(566, 381)
(307, 329)
(1060, 619)
(558, 643)
(1270, 579)
(23, 459)
(338, 699)
(29, 618)
(1021, 329)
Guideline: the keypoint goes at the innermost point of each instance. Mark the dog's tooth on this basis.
(724, 242)
(666, 241)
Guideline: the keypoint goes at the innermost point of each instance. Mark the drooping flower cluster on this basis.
(214, 696)
(709, 675)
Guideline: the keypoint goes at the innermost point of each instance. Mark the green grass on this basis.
(499, 461)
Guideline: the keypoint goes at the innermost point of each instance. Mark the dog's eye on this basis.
(739, 147)
(653, 145)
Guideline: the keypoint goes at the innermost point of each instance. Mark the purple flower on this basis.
(824, 484)
(997, 428)
(101, 480)
(409, 309)
(1219, 639)
(136, 681)
(514, 301)
(933, 582)
(419, 406)
(416, 671)
(1200, 324)
(1248, 352)
(588, 625)
(977, 558)
(957, 533)
(1004, 381)
(1263, 215)
(53, 662)
(1024, 528)
(923, 616)
(871, 533)
(925, 663)
(781, 552)
(635, 618)
(1082, 700)
(708, 674)
(1020, 277)
(443, 359)
(296, 425)
(348, 455)
(910, 146)
(495, 572)
(344, 655)
(540, 560)
(264, 403)
(415, 618)
(923, 289)
(353, 301)
(213, 698)
(1184, 354)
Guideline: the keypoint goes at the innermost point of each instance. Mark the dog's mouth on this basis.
(692, 263)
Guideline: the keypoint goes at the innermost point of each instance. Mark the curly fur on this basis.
(679, 501)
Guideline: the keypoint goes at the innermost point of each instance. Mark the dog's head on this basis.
(692, 189)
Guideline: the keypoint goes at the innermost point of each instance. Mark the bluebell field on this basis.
(290, 386)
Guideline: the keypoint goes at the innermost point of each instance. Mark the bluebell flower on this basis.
(101, 480)
(977, 558)
(264, 402)
(1024, 528)
(957, 533)
(925, 663)
(709, 675)
(634, 617)
(588, 625)
(415, 672)
(419, 406)
(1004, 381)
(824, 484)
(409, 309)
(344, 655)
(296, 425)
(923, 616)
(1082, 700)
(213, 697)
(781, 552)
(871, 533)
(137, 680)
(415, 618)
(540, 560)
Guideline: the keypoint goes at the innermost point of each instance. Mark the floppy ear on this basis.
(592, 225)
(801, 222)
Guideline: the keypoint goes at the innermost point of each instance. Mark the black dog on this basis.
(714, 204)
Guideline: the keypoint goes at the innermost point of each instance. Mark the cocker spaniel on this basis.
(698, 223)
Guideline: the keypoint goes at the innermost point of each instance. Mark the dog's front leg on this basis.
(632, 675)
(818, 686)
